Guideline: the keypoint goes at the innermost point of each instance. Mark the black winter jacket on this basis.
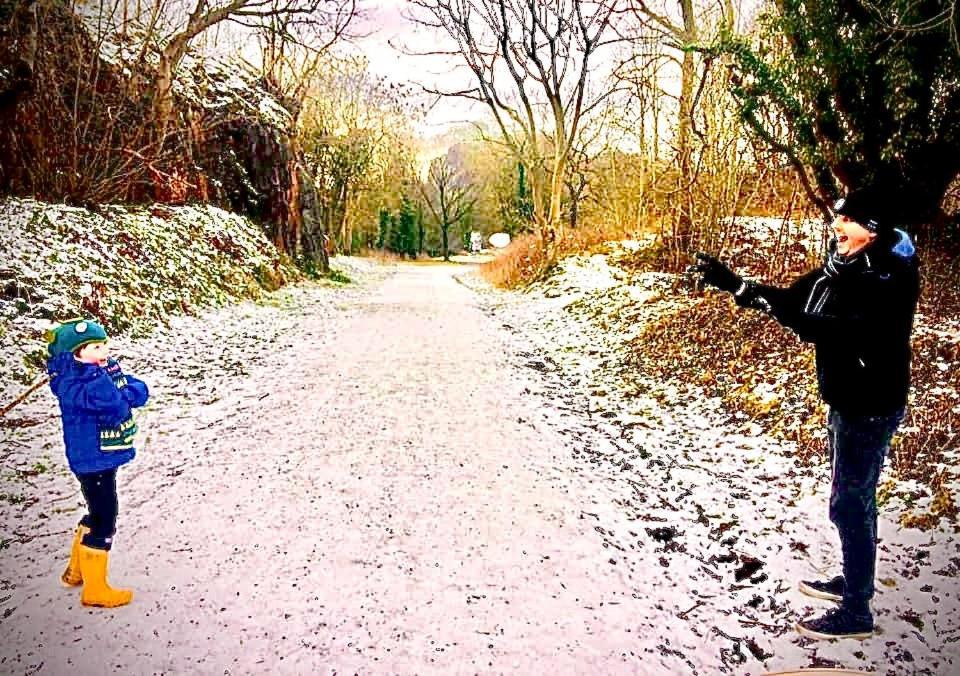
(859, 317)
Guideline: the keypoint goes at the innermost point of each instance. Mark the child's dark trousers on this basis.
(100, 491)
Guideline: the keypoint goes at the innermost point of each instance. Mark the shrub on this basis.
(524, 260)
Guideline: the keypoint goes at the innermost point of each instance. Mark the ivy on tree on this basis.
(856, 93)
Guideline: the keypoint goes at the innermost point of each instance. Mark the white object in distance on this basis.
(476, 242)
(499, 239)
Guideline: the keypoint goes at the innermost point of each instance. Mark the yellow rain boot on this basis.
(96, 591)
(71, 576)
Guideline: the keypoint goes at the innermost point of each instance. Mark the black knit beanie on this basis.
(864, 206)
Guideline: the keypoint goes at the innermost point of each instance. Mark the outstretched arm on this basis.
(776, 301)
(880, 299)
(785, 304)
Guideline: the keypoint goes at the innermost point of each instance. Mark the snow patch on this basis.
(129, 266)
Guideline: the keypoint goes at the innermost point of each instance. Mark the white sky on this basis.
(388, 33)
(389, 29)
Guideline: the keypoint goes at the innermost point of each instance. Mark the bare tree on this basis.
(683, 34)
(449, 196)
(532, 63)
(89, 142)
(316, 24)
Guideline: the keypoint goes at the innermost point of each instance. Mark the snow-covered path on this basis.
(364, 493)
(370, 480)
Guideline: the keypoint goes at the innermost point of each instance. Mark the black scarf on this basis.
(835, 267)
(837, 264)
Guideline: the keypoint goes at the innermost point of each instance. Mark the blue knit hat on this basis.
(73, 334)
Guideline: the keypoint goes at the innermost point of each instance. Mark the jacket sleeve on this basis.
(133, 390)
(886, 302)
(99, 396)
(882, 298)
(784, 304)
(136, 392)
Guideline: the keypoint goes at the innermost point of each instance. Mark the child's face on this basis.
(851, 236)
(94, 353)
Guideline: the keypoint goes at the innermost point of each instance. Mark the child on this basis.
(857, 309)
(98, 431)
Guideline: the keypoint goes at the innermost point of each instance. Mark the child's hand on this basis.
(136, 392)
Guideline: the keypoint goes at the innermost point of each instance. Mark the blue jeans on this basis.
(858, 446)
(100, 491)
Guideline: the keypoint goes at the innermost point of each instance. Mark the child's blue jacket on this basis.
(95, 403)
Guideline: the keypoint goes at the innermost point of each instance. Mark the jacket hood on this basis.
(894, 247)
(903, 246)
(63, 367)
(61, 364)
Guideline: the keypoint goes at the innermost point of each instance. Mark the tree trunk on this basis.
(553, 226)
(163, 89)
(294, 216)
(574, 207)
(348, 226)
(684, 218)
(444, 227)
(343, 226)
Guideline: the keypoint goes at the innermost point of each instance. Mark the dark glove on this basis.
(717, 274)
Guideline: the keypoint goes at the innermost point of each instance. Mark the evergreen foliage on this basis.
(384, 229)
(523, 203)
(514, 200)
(399, 231)
(858, 93)
(406, 243)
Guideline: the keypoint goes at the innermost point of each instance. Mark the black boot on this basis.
(838, 623)
(831, 590)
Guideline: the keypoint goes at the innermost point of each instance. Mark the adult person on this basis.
(857, 309)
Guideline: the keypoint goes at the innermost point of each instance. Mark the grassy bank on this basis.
(128, 267)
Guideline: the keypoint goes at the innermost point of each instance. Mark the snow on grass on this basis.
(809, 236)
(356, 268)
(734, 517)
(204, 82)
(129, 267)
